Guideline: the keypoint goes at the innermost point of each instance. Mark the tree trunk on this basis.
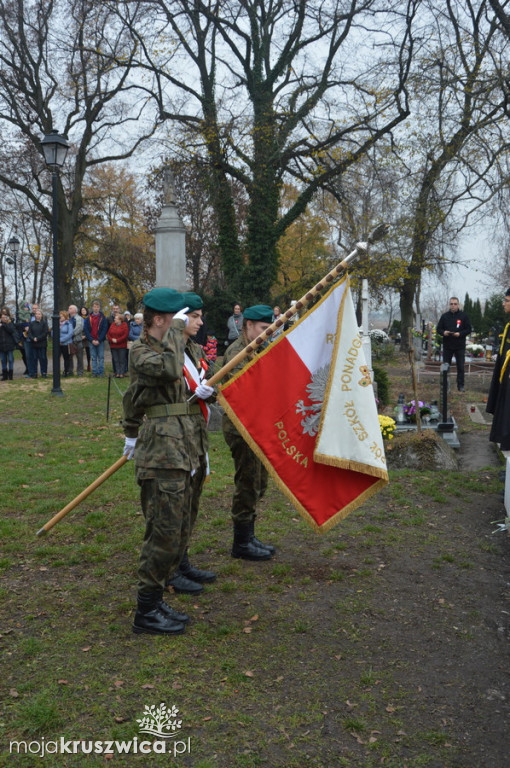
(265, 190)
(407, 311)
(228, 240)
(262, 268)
(221, 193)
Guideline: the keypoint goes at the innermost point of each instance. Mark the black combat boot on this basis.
(184, 586)
(4, 374)
(152, 618)
(243, 545)
(195, 574)
(259, 543)
(172, 613)
(10, 374)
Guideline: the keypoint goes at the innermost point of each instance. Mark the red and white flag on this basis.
(306, 407)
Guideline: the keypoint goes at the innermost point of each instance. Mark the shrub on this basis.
(383, 385)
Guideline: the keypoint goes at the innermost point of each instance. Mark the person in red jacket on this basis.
(117, 336)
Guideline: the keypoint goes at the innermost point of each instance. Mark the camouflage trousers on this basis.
(197, 484)
(250, 478)
(166, 506)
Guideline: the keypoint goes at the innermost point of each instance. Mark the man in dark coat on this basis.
(498, 402)
(454, 327)
(8, 340)
(95, 328)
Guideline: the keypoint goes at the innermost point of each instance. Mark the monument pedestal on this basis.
(170, 234)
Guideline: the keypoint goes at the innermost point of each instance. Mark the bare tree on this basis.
(459, 132)
(114, 242)
(58, 71)
(502, 11)
(268, 90)
(368, 192)
(33, 261)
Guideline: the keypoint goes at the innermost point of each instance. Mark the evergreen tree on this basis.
(475, 317)
(468, 306)
(494, 319)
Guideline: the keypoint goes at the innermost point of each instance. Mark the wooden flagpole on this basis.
(361, 248)
(83, 495)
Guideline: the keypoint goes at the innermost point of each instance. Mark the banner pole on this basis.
(83, 495)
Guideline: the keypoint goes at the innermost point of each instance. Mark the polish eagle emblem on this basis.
(316, 391)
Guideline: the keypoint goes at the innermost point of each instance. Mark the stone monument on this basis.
(170, 235)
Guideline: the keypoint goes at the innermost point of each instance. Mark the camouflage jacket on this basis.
(156, 379)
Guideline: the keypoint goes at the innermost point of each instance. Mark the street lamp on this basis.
(54, 147)
(14, 248)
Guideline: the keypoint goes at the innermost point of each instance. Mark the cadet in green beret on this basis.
(189, 579)
(159, 433)
(250, 474)
(159, 299)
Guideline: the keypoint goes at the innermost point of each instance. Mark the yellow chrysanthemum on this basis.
(387, 425)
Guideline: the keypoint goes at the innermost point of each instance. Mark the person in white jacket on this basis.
(77, 344)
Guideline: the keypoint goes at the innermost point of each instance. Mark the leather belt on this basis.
(172, 409)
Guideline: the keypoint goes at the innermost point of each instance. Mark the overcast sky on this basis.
(477, 276)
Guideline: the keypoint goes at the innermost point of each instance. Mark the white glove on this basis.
(182, 315)
(129, 447)
(203, 391)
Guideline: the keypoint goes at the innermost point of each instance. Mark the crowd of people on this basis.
(83, 334)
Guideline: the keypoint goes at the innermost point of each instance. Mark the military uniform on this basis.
(156, 412)
(189, 579)
(250, 476)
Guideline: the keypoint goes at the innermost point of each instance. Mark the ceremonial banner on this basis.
(306, 407)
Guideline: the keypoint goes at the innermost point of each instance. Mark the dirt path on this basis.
(476, 452)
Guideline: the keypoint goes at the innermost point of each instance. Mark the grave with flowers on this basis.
(412, 449)
(405, 414)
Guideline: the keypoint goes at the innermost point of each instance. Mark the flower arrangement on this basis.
(410, 409)
(387, 425)
(376, 334)
(475, 350)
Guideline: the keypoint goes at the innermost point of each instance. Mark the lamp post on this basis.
(14, 248)
(54, 147)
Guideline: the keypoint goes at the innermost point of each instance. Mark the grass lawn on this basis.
(375, 644)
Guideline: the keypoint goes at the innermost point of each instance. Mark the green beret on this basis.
(163, 300)
(192, 300)
(260, 313)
